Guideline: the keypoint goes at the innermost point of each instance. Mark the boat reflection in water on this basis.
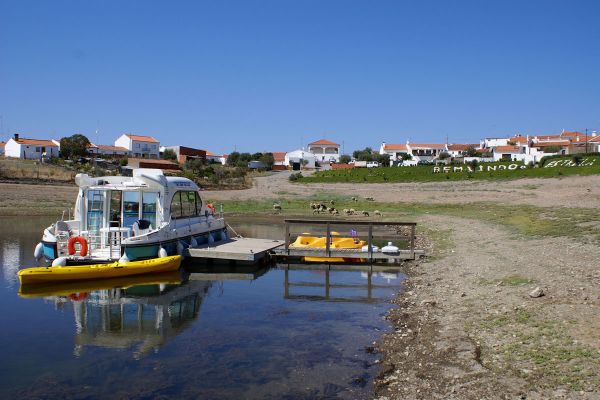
(140, 312)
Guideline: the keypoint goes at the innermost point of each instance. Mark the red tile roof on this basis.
(426, 146)
(279, 155)
(109, 148)
(551, 143)
(400, 147)
(507, 149)
(140, 138)
(461, 147)
(325, 142)
(36, 142)
(518, 139)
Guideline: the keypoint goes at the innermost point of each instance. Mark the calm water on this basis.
(264, 334)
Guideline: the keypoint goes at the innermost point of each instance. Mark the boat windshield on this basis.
(116, 208)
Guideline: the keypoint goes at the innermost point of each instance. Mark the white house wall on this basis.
(28, 151)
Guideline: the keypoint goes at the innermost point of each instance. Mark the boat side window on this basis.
(176, 206)
(131, 208)
(188, 204)
(149, 207)
(198, 204)
(95, 209)
(185, 204)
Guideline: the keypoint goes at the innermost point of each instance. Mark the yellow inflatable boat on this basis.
(98, 271)
(70, 288)
(337, 242)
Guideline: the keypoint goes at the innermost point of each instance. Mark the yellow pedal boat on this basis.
(98, 271)
(337, 242)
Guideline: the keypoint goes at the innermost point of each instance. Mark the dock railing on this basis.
(406, 254)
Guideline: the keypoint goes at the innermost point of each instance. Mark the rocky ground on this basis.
(466, 326)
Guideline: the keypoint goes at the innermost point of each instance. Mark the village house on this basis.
(592, 145)
(418, 151)
(30, 149)
(299, 159)
(460, 150)
(184, 153)
(165, 165)
(325, 151)
(105, 150)
(395, 151)
(279, 161)
(215, 158)
(139, 146)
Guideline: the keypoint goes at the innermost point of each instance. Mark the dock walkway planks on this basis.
(238, 249)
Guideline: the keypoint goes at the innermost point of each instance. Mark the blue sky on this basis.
(273, 75)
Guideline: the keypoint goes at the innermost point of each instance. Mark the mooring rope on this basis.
(233, 230)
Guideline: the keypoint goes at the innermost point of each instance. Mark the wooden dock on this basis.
(251, 250)
(235, 249)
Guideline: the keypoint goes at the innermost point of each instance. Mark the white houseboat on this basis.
(144, 216)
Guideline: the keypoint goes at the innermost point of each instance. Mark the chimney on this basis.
(16, 137)
(594, 133)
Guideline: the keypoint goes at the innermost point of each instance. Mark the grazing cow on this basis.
(365, 213)
(377, 213)
(277, 207)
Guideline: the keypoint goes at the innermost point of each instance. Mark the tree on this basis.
(406, 156)
(233, 158)
(443, 155)
(74, 146)
(267, 159)
(169, 154)
(552, 149)
(383, 159)
(364, 155)
(472, 152)
(345, 159)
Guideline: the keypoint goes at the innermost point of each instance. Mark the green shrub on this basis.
(295, 176)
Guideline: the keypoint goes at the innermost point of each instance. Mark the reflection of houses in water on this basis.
(142, 316)
(365, 291)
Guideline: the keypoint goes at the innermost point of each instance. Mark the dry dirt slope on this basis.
(467, 328)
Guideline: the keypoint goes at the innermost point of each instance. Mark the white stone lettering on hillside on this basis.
(586, 162)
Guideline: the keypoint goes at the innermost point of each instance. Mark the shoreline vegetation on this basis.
(466, 325)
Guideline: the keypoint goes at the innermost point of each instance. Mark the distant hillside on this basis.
(29, 170)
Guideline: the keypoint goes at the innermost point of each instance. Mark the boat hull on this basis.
(98, 271)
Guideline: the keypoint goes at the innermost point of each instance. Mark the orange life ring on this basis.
(78, 296)
(83, 245)
(211, 207)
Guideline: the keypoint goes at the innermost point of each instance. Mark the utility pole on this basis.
(586, 140)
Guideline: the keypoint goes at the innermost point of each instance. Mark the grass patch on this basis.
(513, 280)
(578, 223)
(484, 171)
(541, 351)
